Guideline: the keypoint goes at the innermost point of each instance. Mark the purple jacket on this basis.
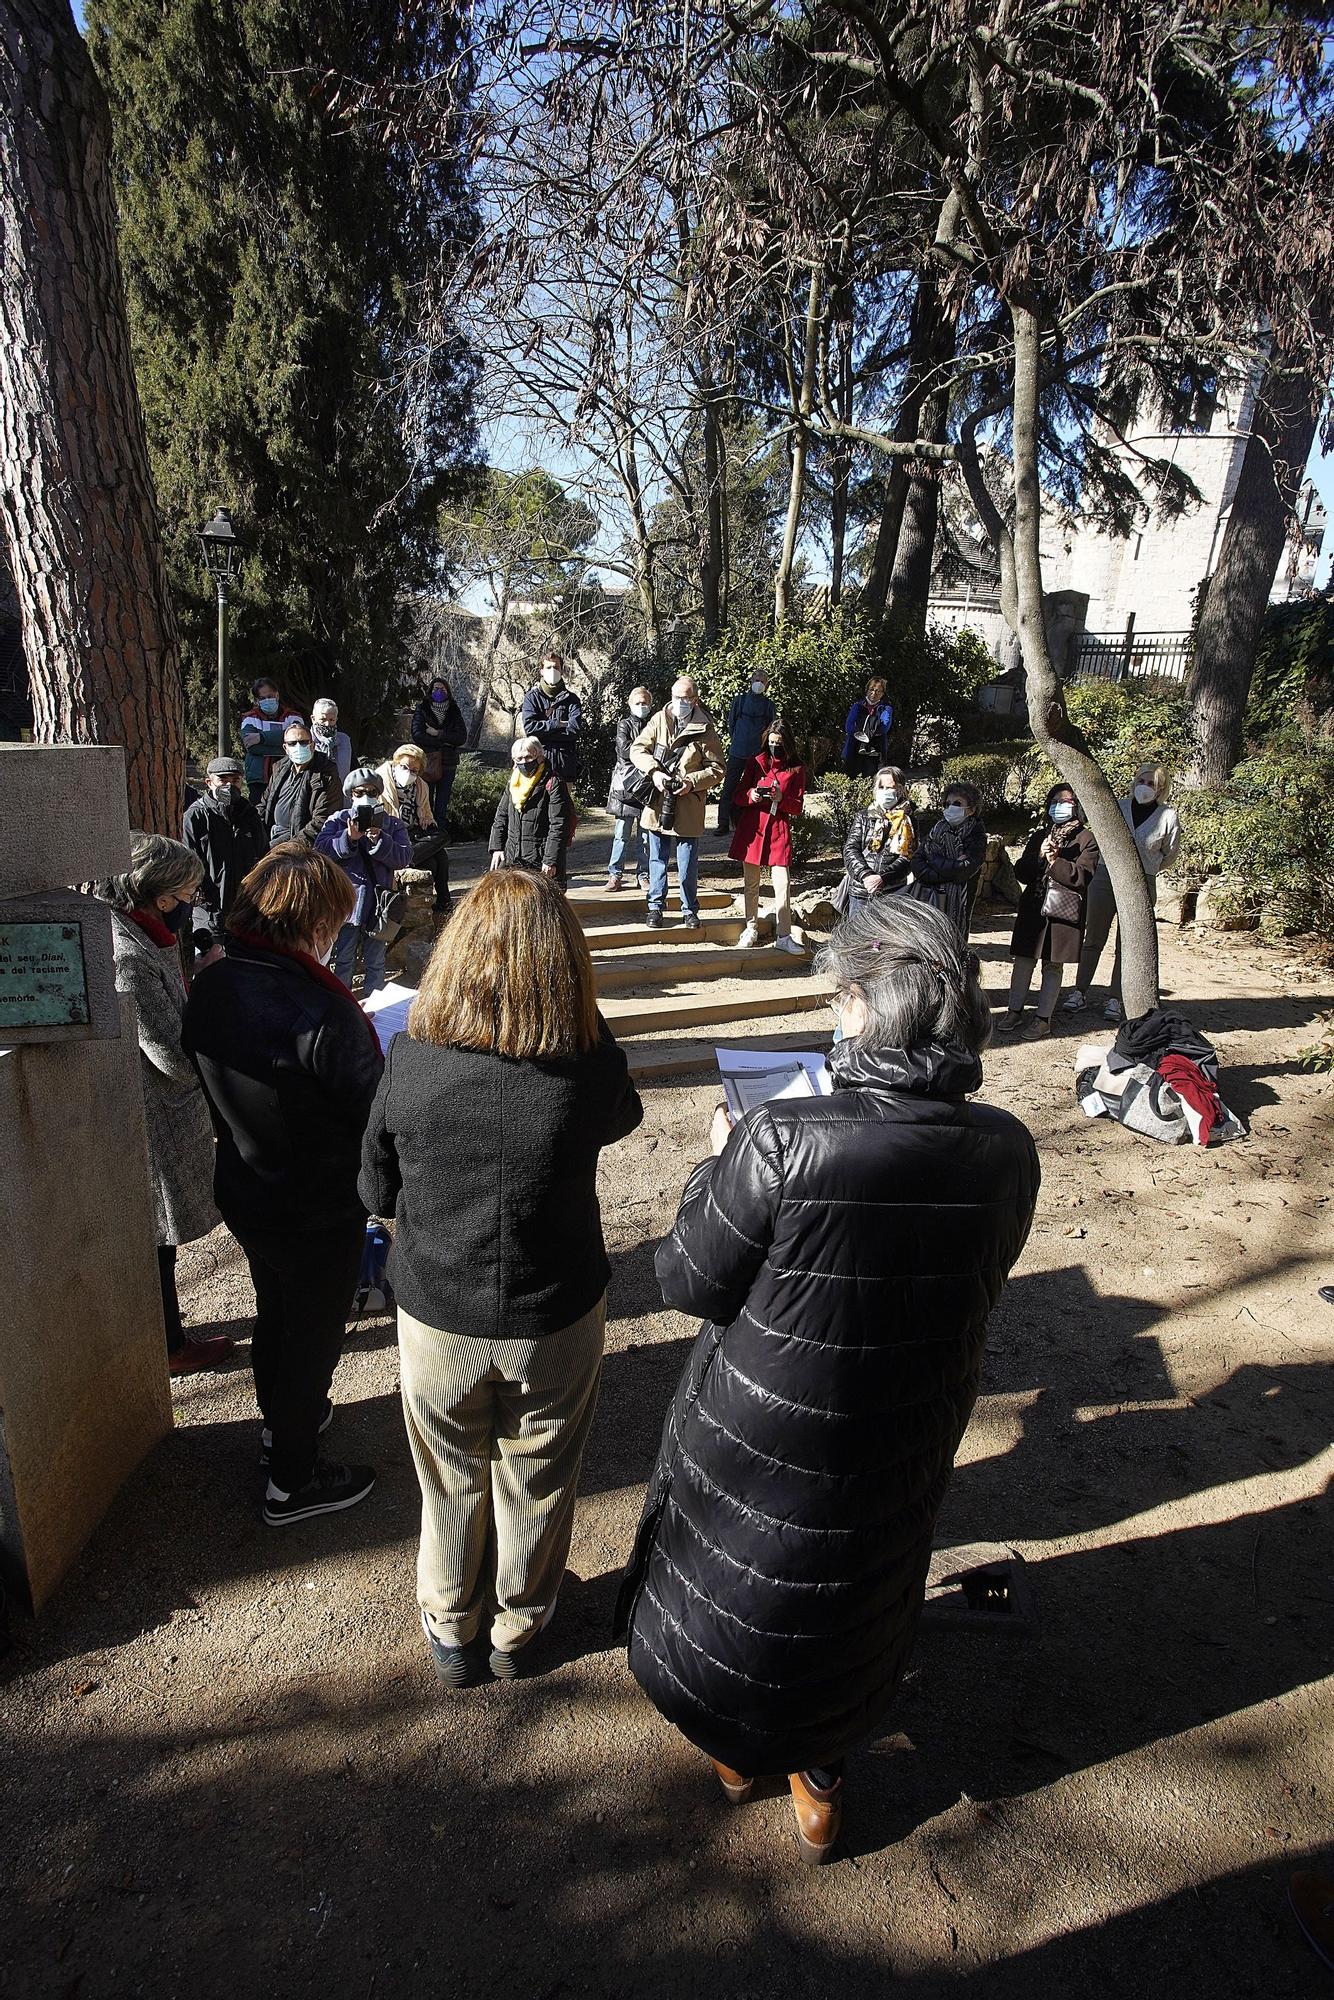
(370, 868)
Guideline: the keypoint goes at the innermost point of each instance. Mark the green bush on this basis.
(1294, 672)
(1129, 723)
(1005, 774)
(844, 796)
(815, 672)
(935, 673)
(476, 793)
(1271, 826)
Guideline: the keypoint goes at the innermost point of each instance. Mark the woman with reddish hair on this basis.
(289, 1065)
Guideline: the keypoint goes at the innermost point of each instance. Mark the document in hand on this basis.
(389, 1009)
(756, 1076)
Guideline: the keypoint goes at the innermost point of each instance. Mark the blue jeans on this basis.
(625, 841)
(372, 958)
(687, 871)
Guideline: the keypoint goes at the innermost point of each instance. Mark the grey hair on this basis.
(522, 743)
(915, 973)
(158, 867)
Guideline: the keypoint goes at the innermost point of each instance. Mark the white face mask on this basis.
(1145, 795)
(682, 707)
(640, 710)
(757, 687)
(956, 814)
(327, 953)
(364, 799)
(403, 778)
(552, 677)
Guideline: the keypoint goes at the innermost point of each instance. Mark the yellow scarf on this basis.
(523, 784)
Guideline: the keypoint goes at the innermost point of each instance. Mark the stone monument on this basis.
(84, 1391)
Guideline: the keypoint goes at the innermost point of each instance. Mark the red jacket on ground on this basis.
(761, 835)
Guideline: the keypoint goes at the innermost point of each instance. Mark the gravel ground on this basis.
(227, 1766)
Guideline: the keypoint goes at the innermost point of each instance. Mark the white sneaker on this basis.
(1112, 1011)
(789, 944)
(1074, 1002)
(749, 936)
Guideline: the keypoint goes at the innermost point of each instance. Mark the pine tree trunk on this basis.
(1051, 725)
(910, 583)
(711, 567)
(1237, 594)
(76, 492)
(931, 341)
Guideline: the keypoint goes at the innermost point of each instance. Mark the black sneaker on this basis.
(266, 1435)
(453, 1668)
(329, 1490)
(688, 921)
(654, 920)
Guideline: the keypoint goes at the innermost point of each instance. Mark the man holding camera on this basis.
(681, 753)
(369, 844)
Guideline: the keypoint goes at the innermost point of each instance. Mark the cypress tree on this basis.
(274, 249)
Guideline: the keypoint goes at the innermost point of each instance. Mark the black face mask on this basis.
(528, 769)
(177, 917)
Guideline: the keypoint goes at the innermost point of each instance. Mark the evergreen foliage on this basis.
(275, 253)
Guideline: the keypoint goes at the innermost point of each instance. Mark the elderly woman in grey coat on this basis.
(150, 905)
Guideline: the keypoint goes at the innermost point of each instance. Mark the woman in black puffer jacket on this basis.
(845, 1253)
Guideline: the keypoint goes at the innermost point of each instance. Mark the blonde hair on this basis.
(1157, 772)
(510, 974)
(289, 895)
(413, 754)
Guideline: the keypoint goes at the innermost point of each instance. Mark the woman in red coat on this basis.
(770, 796)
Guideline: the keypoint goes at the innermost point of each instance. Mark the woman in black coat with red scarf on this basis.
(844, 1253)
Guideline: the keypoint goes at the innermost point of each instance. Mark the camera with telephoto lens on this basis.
(667, 807)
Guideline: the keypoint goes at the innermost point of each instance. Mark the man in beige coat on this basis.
(681, 751)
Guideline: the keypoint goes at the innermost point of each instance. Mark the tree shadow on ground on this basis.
(385, 1840)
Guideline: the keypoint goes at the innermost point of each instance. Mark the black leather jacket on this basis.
(845, 1253)
(290, 1069)
(317, 794)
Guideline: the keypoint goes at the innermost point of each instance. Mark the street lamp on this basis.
(222, 560)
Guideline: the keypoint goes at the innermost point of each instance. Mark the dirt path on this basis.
(227, 1768)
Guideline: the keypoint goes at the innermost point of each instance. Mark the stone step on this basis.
(627, 903)
(712, 930)
(654, 1013)
(670, 968)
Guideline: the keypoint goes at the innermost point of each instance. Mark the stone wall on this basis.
(83, 1372)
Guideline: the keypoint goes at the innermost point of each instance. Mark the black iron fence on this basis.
(1132, 655)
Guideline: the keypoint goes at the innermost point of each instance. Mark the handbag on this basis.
(1061, 905)
(389, 907)
(433, 770)
(842, 896)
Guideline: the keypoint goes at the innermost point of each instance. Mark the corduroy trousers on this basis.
(497, 1430)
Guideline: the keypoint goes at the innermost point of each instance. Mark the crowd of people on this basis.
(771, 1595)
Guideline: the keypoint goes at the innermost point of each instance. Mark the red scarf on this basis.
(310, 964)
(152, 926)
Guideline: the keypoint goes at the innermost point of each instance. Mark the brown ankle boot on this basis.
(737, 1788)
(818, 1815)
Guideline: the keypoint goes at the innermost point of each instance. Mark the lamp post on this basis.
(222, 560)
